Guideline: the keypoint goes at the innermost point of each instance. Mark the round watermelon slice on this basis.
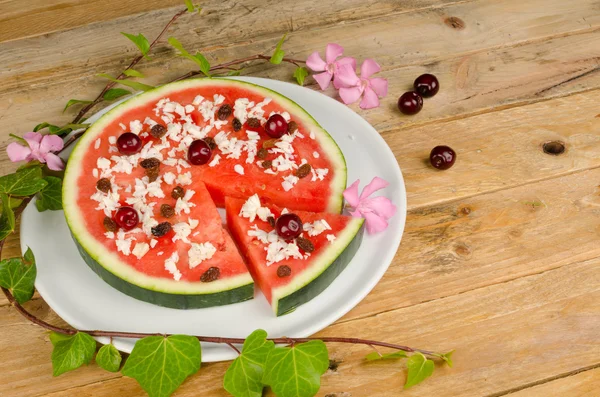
(194, 263)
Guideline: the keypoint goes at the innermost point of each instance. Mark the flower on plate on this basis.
(329, 67)
(375, 210)
(40, 147)
(352, 86)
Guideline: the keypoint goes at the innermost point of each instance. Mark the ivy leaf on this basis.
(18, 276)
(161, 364)
(55, 337)
(296, 371)
(140, 41)
(21, 140)
(23, 183)
(199, 59)
(132, 73)
(14, 202)
(244, 376)
(419, 369)
(115, 93)
(50, 198)
(109, 358)
(278, 54)
(133, 84)
(300, 74)
(75, 102)
(52, 128)
(447, 357)
(72, 352)
(391, 356)
(7, 219)
(191, 7)
(65, 129)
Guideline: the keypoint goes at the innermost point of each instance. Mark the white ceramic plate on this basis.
(83, 300)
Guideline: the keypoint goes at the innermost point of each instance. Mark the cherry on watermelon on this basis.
(288, 226)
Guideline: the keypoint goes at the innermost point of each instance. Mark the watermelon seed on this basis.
(305, 244)
(237, 124)
(103, 185)
(109, 224)
(284, 271)
(178, 192)
(161, 229)
(158, 130)
(303, 171)
(225, 111)
(211, 274)
(167, 211)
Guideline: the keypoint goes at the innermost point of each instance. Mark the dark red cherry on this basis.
(410, 103)
(129, 143)
(427, 85)
(288, 226)
(199, 152)
(276, 126)
(126, 218)
(442, 157)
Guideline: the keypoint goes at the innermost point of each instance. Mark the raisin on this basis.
(292, 126)
(224, 112)
(211, 143)
(284, 271)
(152, 173)
(237, 124)
(150, 163)
(305, 244)
(109, 224)
(268, 144)
(158, 130)
(178, 192)
(303, 171)
(253, 122)
(271, 221)
(167, 211)
(267, 164)
(262, 153)
(211, 274)
(103, 185)
(161, 229)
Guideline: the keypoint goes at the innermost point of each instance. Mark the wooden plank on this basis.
(504, 335)
(583, 384)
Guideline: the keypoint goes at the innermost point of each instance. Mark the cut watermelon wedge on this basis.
(284, 272)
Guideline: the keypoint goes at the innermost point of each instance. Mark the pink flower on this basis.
(329, 66)
(40, 148)
(352, 86)
(375, 210)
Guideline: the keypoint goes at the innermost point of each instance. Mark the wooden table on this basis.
(500, 259)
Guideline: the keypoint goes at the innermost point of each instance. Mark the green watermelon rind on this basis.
(324, 270)
(154, 289)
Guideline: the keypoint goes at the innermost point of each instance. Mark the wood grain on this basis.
(582, 384)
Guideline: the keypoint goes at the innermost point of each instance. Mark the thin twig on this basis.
(234, 348)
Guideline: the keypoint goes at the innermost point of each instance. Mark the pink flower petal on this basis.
(375, 223)
(346, 61)
(54, 162)
(379, 85)
(350, 95)
(369, 100)
(323, 79)
(351, 194)
(51, 143)
(356, 214)
(347, 76)
(376, 184)
(368, 68)
(332, 51)
(32, 137)
(17, 152)
(314, 62)
(380, 205)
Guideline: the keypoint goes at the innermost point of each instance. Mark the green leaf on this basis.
(391, 356)
(244, 376)
(140, 41)
(296, 371)
(74, 102)
(23, 183)
(199, 59)
(29, 164)
(419, 369)
(50, 198)
(300, 74)
(18, 276)
(55, 337)
(191, 7)
(51, 127)
(109, 358)
(7, 219)
(133, 84)
(65, 129)
(115, 93)
(447, 357)
(132, 73)
(234, 73)
(278, 54)
(14, 202)
(21, 140)
(161, 364)
(72, 352)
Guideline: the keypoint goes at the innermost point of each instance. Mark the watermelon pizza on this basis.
(142, 188)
